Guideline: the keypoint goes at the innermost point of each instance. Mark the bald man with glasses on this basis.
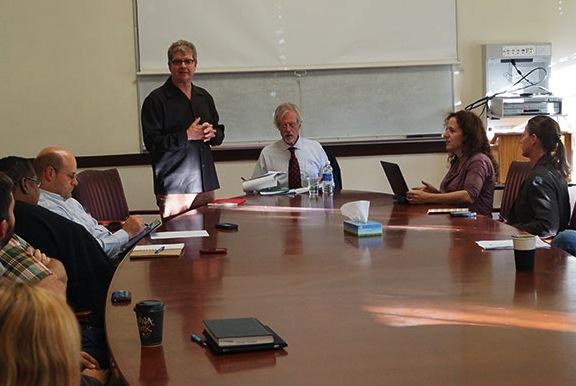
(56, 169)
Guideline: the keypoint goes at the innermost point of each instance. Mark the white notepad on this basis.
(446, 210)
(178, 234)
(507, 244)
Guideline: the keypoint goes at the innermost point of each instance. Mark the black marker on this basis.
(196, 339)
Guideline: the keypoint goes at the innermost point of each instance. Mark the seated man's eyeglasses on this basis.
(179, 62)
(34, 180)
(290, 125)
(71, 176)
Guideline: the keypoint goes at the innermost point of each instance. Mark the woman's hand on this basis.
(418, 196)
(428, 187)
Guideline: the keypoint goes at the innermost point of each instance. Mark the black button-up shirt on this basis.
(180, 165)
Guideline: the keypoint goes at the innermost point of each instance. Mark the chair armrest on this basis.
(112, 226)
(145, 211)
(115, 225)
(83, 317)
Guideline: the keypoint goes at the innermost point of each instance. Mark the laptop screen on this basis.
(395, 179)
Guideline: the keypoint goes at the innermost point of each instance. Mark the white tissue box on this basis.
(369, 228)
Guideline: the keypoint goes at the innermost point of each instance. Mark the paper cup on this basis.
(524, 250)
(150, 319)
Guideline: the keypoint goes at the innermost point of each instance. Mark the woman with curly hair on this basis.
(471, 177)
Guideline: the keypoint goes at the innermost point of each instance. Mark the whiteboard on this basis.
(254, 35)
(337, 105)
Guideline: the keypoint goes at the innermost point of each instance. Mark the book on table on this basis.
(277, 344)
(237, 332)
(228, 336)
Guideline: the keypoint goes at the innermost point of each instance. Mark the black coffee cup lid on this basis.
(149, 306)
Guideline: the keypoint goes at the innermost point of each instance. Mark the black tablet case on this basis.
(278, 344)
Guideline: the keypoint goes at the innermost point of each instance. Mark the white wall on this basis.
(68, 65)
(493, 21)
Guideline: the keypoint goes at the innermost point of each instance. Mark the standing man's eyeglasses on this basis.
(179, 62)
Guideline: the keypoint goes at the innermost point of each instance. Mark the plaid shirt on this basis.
(19, 265)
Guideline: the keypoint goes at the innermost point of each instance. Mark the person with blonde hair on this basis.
(39, 339)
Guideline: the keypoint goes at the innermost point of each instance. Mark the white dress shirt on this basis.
(111, 243)
(275, 157)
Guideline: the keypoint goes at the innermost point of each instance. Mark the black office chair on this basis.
(337, 175)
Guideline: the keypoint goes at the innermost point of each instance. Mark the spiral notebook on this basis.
(157, 250)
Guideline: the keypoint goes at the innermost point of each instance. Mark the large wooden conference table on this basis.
(420, 305)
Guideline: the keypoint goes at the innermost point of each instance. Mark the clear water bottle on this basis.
(327, 180)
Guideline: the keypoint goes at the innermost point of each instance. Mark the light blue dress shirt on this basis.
(111, 243)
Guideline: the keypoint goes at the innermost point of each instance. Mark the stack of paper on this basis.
(446, 210)
(284, 191)
(507, 244)
(266, 181)
(178, 234)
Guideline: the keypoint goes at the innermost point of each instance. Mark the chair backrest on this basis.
(101, 194)
(572, 223)
(336, 173)
(517, 172)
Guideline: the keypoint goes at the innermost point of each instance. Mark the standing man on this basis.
(180, 124)
(292, 154)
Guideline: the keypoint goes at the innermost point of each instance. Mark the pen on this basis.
(163, 247)
(196, 339)
(213, 251)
